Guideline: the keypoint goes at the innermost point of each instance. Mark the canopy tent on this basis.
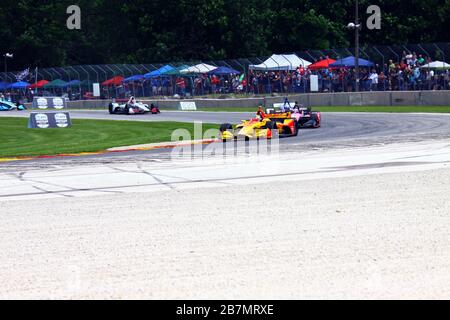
(19, 85)
(199, 68)
(39, 84)
(115, 81)
(281, 62)
(175, 71)
(138, 77)
(350, 62)
(322, 64)
(436, 65)
(223, 71)
(159, 72)
(86, 83)
(74, 83)
(4, 85)
(55, 84)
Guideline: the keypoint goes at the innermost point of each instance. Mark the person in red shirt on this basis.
(181, 84)
(302, 71)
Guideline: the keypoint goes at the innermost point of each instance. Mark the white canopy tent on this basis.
(436, 65)
(281, 62)
(199, 68)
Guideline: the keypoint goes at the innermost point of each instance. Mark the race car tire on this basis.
(270, 125)
(110, 108)
(286, 131)
(316, 122)
(295, 129)
(126, 109)
(225, 127)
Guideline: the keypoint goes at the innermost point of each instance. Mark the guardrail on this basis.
(375, 98)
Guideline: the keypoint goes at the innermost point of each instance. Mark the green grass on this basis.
(84, 136)
(401, 109)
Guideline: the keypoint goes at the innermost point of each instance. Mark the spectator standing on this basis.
(214, 83)
(181, 86)
(421, 60)
(165, 86)
(374, 80)
(382, 81)
(154, 86)
(391, 66)
(207, 84)
(255, 85)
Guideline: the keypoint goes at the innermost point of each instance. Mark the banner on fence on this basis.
(45, 103)
(314, 83)
(188, 106)
(96, 89)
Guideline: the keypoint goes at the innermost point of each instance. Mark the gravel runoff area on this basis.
(376, 227)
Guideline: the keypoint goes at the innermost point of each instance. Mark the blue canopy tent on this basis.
(74, 83)
(138, 77)
(220, 71)
(133, 79)
(4, 85)
(19, 85)
(175, 71)
(350, 62)
(159, 72)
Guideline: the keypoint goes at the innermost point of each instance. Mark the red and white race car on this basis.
(132, 107)
(306, 118)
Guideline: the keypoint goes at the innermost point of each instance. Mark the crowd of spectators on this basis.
(197, 85)
(17, 96)
(406, 74)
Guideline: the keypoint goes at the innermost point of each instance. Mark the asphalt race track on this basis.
(338, 129)
(357, 209)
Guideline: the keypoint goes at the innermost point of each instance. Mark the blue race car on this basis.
(8, 106)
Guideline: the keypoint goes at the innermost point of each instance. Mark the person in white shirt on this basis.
(374, 77)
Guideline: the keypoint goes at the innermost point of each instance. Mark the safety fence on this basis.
(253, 82)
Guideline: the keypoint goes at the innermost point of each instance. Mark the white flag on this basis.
(22, 75)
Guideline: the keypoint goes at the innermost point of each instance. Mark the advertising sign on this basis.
(46, 103)
(46, 120)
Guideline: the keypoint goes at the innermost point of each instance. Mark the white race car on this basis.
(128, 108)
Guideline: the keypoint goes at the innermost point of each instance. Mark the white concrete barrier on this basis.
(374, 98)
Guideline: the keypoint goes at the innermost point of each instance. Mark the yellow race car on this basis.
(263, 126)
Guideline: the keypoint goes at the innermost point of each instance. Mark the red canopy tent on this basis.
(116, 81)
(322, 64)
(38, 84)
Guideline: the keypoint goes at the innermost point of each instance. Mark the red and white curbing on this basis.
(162, 145)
